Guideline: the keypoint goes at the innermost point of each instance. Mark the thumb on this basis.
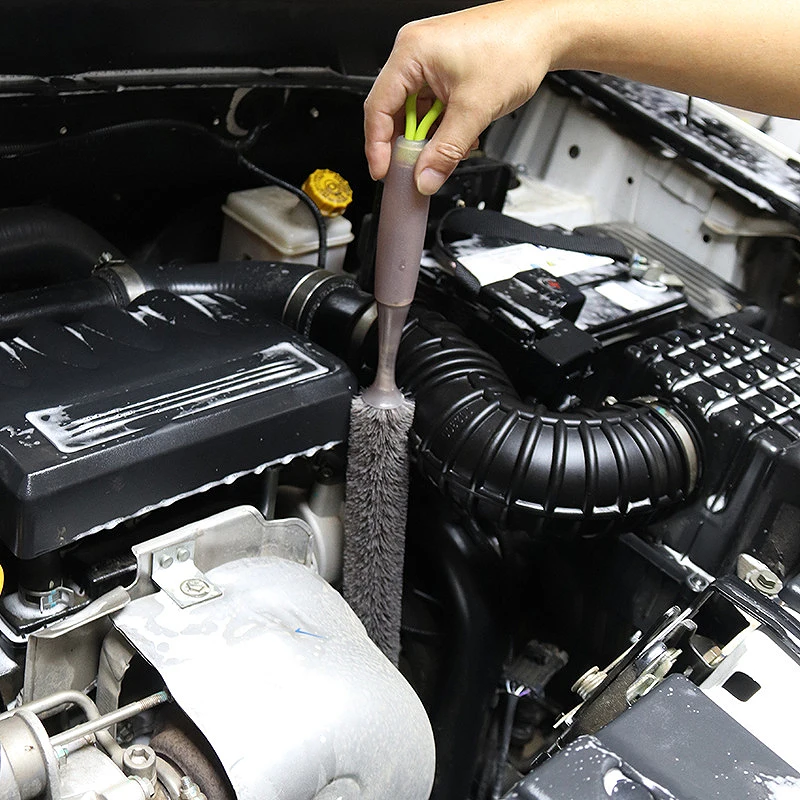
(460, 126)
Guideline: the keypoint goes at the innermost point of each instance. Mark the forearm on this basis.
(742, 52)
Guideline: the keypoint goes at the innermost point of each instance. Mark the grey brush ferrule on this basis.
(383, 393)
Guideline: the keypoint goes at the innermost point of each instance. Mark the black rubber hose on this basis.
(299, 294)
(503, 460)
(264, 284)
(59, 303)
(41, 246)
(477, 640)
(322, 305)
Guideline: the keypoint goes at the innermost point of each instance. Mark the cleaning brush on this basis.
(380, 419)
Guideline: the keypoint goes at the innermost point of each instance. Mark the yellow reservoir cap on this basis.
(329, 190)
(2, 579)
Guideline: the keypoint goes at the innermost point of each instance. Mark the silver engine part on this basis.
(261, 654)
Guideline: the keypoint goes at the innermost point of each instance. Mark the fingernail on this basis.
(430, 181)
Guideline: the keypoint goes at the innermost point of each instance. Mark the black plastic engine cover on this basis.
(127, 410)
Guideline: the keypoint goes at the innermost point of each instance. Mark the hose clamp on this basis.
(302, 293)
(683, 434)
(123, 279)
(360, 331)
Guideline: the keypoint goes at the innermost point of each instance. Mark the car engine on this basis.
(600, 586)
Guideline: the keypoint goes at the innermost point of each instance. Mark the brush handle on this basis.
(401, 228)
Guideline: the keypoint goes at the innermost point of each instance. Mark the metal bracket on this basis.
(175, 573)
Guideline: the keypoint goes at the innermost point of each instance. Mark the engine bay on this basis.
(600, 585)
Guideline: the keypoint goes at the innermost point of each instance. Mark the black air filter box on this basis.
(128, 410)
(741, 389)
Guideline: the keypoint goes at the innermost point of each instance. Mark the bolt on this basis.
(165, 561)
(195, 587)
(714, 657)
(696, 582)
(139, 761)
(758, 575)
(588, 682)
(137, 754)
(190, 790)
(182, 554)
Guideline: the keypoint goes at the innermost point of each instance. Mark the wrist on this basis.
(569, 32)
(556, 28)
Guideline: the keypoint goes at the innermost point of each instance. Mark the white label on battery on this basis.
(502, 263)
(621, 296)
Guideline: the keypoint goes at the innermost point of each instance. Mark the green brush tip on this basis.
(428, 120)
(411, 116)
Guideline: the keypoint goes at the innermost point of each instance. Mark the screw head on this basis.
(182, 554)
(766, 580)
(165, 561)
(195, 587)
(138, 754)
(696, 583)
(139, 761)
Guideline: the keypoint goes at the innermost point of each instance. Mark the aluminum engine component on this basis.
(310, 705)
(89, 773)
(27, 762)
(37, 766)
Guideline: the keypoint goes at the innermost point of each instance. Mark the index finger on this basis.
(381, 109)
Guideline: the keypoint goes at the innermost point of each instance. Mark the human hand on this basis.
(482, 63)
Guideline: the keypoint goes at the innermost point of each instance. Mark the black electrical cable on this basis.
(322, 252)
(237, 146)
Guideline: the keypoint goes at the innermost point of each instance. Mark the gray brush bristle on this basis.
(375, 519)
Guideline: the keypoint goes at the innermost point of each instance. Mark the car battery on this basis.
(544, 307)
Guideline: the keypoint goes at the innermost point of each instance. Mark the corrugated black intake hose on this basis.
(503, 460)
(41, 246)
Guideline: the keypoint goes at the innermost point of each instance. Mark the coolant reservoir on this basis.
(271, 224)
